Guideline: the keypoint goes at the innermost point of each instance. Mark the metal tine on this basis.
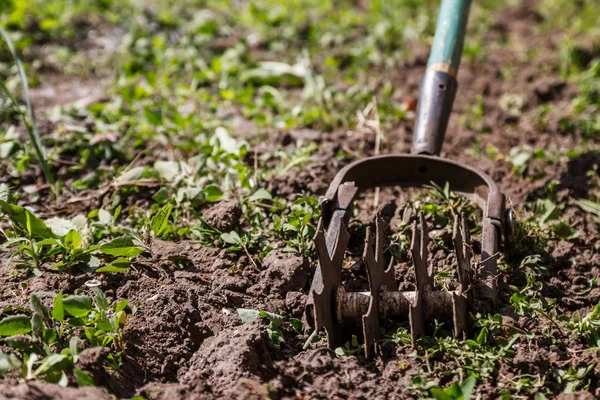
(368, 256)
(370, 320)
(389, 279)
(339, 249)
(321, 243)
(327, 278)
(460, 238)
(460, 301)
(418, 247)
(379, 278)
(373, 259)
(420, 240)
(340, 245)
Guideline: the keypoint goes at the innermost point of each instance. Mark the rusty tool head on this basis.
(329, 305)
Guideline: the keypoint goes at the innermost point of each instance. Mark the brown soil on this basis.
(186, 342)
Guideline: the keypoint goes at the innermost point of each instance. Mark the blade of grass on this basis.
(32, 129)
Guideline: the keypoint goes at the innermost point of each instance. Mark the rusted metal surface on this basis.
(409, 170)
(329, 306)
(333, 305)
(380, 279)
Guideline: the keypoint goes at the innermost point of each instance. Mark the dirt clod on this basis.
(91, 361)
(284, 271)
(232, 354)
(44, 391)
(223, 216)
(167, 329)
(294, 302)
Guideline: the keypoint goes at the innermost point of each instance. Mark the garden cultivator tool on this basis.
(329, 305)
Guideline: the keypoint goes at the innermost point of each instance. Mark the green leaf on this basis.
(60, 226)
(7, 363)
(118, 265)
(26, 220)
(160, 221)
(314, 336)
(73, 240)
(297, 325)
(247, 315)
(565, 231)
(117, 212)
(260, 194)
(275, 319)
(37, 325)
(52, 363)
(36, 227)
(83, 379)
(588, 206)
(168, 170)
(467, 387)
(161, 196)
(31, 126)
(37, 306)
(439, 394)
(231, 237)
(23, 343)
(212, 193)
(104, 325)
(549, 210)
(58, 310)
(120, 306)
(153, 115)
(15, 325)
(74, 348)
(78, 306)
(100, 299)
(121, 247)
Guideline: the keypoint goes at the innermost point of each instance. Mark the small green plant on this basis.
(33, 239)
(456, 391)
(349, 348)
(298, 228)
(277, 323)
(574, 380)
(587, 326)
(45, 342)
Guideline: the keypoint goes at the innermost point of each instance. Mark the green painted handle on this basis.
(449, 36)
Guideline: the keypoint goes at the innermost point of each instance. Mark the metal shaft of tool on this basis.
(393, 304)
(439, 85)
